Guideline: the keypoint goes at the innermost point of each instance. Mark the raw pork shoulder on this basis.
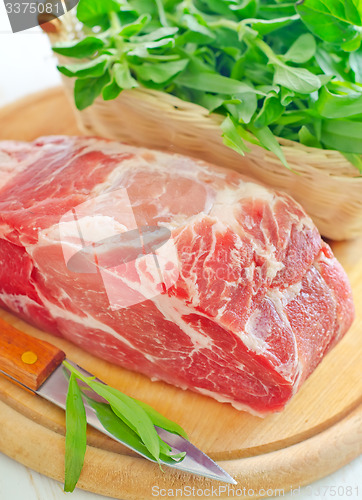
(250, 301)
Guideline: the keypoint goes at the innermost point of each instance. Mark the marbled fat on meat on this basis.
(259, 300)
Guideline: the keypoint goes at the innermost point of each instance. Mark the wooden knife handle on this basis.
(26, 359)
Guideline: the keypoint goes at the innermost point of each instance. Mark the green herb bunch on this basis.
(274, 68)
(125, 418)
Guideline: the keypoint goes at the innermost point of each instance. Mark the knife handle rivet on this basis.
(29, 357)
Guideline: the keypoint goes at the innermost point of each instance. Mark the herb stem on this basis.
(115, 23)
(269, 52)
(225, 23)
(281, 19)
(300, 104)
(161, 13)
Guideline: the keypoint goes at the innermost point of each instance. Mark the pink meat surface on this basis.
(259, 299)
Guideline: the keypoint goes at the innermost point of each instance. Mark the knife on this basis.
(38, 366)
(118, 249)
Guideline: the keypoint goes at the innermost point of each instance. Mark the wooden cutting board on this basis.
(318, 432)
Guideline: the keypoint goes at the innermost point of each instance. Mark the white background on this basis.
(27, 65)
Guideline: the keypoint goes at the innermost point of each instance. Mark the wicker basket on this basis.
(328, 186)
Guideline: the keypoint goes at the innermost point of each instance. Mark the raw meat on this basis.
(254, 303)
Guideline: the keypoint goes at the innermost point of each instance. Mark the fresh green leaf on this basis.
(161, 72)
(324, 79)
(332, 21)
(352, 45)
(96, 12)
(132, 29)
(245, 8)
(118, 428)
(272, 109)
(294, 117)
(195, 24)
(355, 159)
(111, 91)
(245, 109)
(76, 435)
(212, 82)
(126, 409)
(330, 105)
(248, 136)
(139, 418)
(355, 60)
(141, 50)
(86, 90)
(211, 101)
(352, 11)
(317, 127)
(158, 34)
(307, 138)
(299, 80)
(217, 7)
(268, 140)
(286, 96)
(302, 50)
(266, 26)
(330, 63)
(232, 137)
(115, 426)
(142, 6)
(269, 10)
(123, 77)
(161, 421)
(93, 68)
(132, 414)
(85, 48)
(342, 135)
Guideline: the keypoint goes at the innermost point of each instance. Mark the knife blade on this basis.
(38, 366)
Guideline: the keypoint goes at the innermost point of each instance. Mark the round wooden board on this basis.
(318, 432)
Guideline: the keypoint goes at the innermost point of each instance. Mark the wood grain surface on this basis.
(26, 359)
(318, 432)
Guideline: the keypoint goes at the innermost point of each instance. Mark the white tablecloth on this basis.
(27, 65)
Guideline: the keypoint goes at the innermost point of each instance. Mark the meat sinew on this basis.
(242, 306)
